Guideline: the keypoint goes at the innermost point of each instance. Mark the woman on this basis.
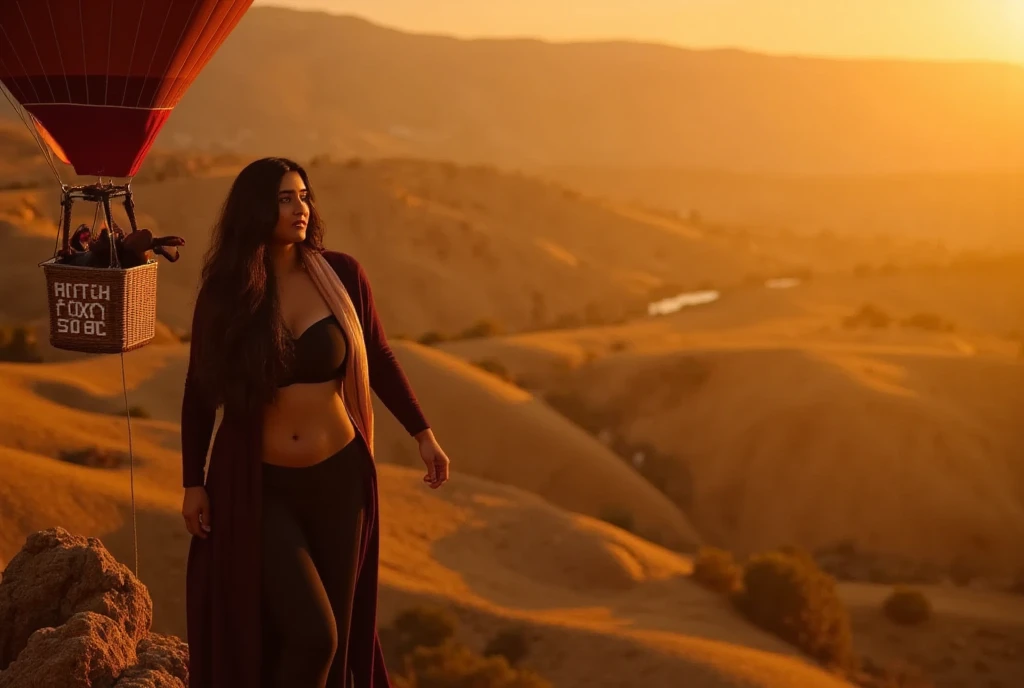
(282, 570)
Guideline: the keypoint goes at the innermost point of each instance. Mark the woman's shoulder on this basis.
(345, 264)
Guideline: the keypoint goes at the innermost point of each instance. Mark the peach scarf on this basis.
(355, 387)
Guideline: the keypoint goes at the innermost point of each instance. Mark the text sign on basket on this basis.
(82, 308)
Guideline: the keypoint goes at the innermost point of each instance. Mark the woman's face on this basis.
(293, 210)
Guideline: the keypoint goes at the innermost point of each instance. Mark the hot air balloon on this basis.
(95, 81)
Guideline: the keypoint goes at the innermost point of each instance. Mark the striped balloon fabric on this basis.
(99, 78)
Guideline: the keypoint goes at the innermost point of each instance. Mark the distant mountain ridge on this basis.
(306, 83)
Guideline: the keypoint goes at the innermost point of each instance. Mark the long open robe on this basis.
(223, 601)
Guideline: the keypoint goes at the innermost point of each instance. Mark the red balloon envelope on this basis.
(100, 77)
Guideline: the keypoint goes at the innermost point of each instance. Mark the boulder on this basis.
(56, 575)
(89, 650)
(75, 617)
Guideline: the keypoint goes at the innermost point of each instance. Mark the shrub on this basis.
(907, 607)
(94, 457)
(138, 412)
(18, 345)
(422, 626)
(511, 643)
(716, 570)
(431, 338)
(619, 345)
(788, 595)
(452, 665)
(867, 316)
(483, 328)
(494, 367)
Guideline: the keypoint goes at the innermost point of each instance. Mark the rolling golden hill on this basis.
(791, 428)
(974, 209)
(524, 103)
(474, 243)
(495, 553)
(508, 438)
(601, 607)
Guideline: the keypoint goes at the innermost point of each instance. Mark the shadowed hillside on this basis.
(473, 243)
(976, 209)
(524, 102)
(806, 417)
(527, 102)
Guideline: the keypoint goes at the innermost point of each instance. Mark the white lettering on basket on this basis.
(82, 308)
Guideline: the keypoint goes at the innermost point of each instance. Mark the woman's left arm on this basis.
(391, 385)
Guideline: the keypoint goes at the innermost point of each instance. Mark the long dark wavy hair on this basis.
(244, 340)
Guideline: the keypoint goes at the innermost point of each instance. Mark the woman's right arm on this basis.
(198, 413)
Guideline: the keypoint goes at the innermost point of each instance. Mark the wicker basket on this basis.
(99, 310)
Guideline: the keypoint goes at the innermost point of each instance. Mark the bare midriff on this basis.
(306, 424)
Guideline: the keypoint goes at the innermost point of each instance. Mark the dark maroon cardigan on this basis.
(223, 573)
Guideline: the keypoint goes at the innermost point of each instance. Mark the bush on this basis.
(512, 644)
(423, 626)
(420, 643)
(788, 595)
(483, 328)
(907, 607)
(619, 345)
(494, 367)
(138, 412)
(452, 665)
(94, 457)
(431, 338)
(716, 570)
(18, 345)
(867, 316)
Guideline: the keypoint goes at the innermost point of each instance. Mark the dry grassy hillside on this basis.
(790, 427)
(960, 209)
(528, 102)
(494, 430)
(598, 606)
(472, 243)
(505, 435)
(595, 588)
(497, 555)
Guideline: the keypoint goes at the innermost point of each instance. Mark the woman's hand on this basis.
(434, 458)
(196, 510)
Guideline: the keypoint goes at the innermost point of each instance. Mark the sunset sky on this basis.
(930, 29)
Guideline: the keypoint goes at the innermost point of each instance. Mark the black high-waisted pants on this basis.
(312, 531)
